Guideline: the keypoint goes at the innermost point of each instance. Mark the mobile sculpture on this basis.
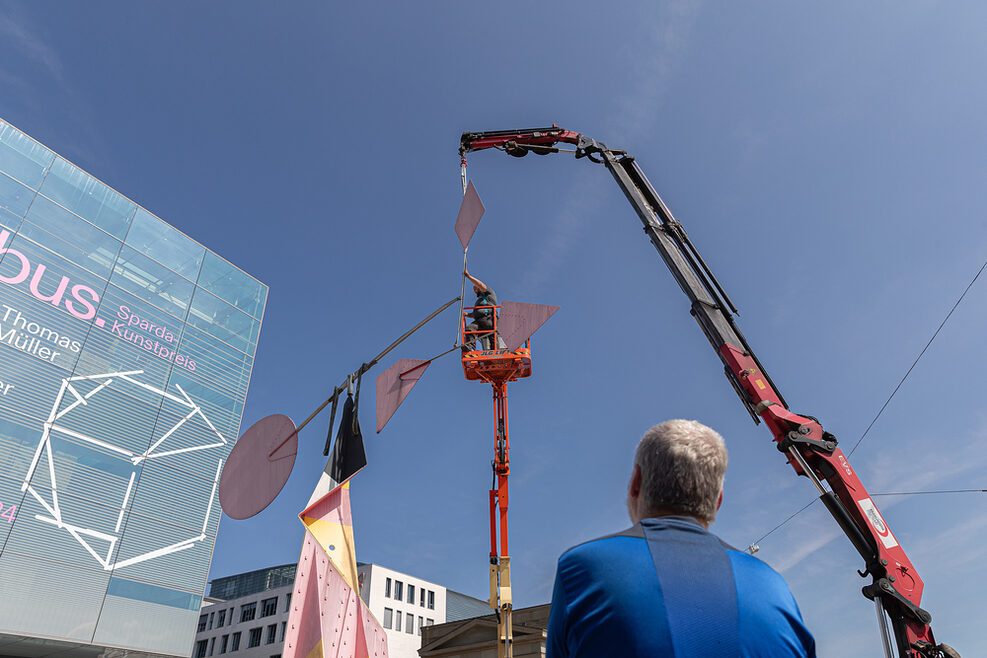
(328, 618)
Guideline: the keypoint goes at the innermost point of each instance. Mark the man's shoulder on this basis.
(602, 544)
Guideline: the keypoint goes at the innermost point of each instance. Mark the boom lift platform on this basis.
(895, 587)
(498, 367)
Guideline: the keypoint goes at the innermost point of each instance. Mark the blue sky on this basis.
(829, 162)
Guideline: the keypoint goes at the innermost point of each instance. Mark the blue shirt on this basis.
(668, 587)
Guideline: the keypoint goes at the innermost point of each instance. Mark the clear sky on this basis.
(828, 159)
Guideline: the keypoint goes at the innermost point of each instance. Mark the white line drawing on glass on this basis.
(77, 528)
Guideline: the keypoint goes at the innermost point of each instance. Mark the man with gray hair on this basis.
(667, 586)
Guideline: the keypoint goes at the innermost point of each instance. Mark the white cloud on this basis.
(17, 32)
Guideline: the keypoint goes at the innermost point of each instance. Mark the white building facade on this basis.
(403, 605)
(251, 626)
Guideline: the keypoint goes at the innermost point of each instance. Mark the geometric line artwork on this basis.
(101, 542)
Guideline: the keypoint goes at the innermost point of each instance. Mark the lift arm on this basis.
(896, 587)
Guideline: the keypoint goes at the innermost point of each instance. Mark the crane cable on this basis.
(857, 444)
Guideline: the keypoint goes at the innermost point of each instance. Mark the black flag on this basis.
(348, 455)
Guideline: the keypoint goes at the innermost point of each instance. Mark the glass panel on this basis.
(14, 201)
(155, 551)
(129, 622)
(88, 198)
(67, 235)
(54, 283)
(129, 331)
(152, 282)
(138, 591)
(35, 383)
(35, 603)
(223, 321)
(222, 409)
(232, 285)
(214, 363)
(152, 237)
(9, 220)
(21, 157)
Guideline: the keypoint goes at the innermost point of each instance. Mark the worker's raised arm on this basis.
(476, 282)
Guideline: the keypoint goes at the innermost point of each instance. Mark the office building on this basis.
(250, 617)
(125, 352)
(252, 623)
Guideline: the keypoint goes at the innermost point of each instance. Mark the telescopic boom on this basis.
(896, 587)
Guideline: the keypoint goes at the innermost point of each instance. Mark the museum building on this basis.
(126, 349)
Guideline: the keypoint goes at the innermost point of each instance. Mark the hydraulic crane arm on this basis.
(896, 587)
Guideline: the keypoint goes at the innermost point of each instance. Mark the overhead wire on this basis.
(884, 406)
(873, 495)
(941, 325)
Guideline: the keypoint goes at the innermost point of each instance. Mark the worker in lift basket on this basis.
(483, 318)
(667, 586)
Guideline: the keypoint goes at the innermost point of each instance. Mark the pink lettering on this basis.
(89, 305)
(55, 298)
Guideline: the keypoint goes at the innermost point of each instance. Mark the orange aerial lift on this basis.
(498, 367)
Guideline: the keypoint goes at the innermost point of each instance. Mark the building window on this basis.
(284, 627)
(224, 644)
(398, 590)
(235, 644)
(211, 615)
(397, 620)
(287, 602)
(387, 587)
(254, 639)
(431, 600)
(200, 648)
(248, 612)
(272, 633)
(409, 626)
(420, 625)
(212, 645)
(429, 622)
(269, 607)
(411, 594)
(231, 616)
(221, 619)
(388, 614)
(202, 623)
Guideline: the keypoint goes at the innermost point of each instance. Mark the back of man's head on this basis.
(682, 464)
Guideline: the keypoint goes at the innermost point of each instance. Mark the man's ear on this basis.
(719, 501)
(634, 489)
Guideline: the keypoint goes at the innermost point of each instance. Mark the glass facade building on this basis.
(245, 584)
(125, 352)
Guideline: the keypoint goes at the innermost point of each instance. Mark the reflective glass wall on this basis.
(125, 353)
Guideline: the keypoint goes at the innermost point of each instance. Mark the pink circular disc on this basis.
(258, 466)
